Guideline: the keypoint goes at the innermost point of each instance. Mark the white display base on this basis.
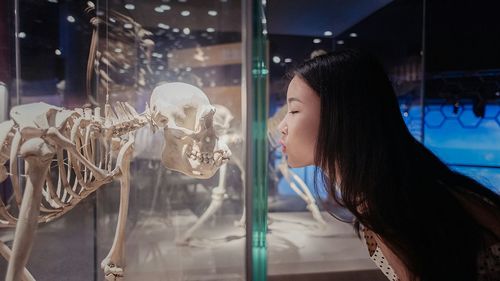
(151, 252)
(292, 249)
(217, 251)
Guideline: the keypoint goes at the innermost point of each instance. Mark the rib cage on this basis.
(68, 181)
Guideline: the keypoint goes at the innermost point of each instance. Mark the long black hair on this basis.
(390, 182)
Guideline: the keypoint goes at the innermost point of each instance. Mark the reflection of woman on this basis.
(421, 221)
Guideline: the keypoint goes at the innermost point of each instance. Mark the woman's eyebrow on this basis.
(294, 99)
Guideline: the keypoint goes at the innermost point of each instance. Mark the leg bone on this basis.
(218, 194)
(39, 155)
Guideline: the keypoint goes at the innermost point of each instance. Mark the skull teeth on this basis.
(202, 157)
(218, 157)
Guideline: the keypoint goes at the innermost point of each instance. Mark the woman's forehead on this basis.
(298, 90)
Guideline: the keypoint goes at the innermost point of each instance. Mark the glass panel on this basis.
(45, 62)
(259, 101)
(462, 92)
(183, 222)
(178, 226)
(305, 240)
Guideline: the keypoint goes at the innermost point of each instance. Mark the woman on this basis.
(421, 220)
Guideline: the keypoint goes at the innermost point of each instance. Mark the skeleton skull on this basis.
(186, 116)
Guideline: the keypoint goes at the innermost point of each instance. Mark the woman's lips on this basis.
(283, 146)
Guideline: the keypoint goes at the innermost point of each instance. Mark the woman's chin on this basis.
(296, 164)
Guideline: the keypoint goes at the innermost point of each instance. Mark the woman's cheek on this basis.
(298, 150)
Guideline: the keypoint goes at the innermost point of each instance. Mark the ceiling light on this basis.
(163, 26)
(353, 34)
(316, 40)
(128, 26)
(156, 55)
(175, 30)
(186, 31)
(70, 19)
(165, 7)
(276, 59)
(212, 13)
(58, 52)
(328, 33)
(340, 42)
(159, 10)
(185, 13)
(129, 6)
(21, 35)
(288, 60)
(210, 29)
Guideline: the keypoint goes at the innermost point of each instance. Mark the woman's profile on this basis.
(420, 219)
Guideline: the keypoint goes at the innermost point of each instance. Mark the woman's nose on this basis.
(283, 127)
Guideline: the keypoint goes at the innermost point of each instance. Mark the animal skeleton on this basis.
(82, 144)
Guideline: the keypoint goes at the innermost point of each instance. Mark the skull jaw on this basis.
(174, 157)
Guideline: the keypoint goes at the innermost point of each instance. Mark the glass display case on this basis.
(166, 163)
(147, 189)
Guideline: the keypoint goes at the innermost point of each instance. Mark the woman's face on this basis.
(300, 126)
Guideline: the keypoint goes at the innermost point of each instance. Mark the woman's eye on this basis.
(293, 112)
